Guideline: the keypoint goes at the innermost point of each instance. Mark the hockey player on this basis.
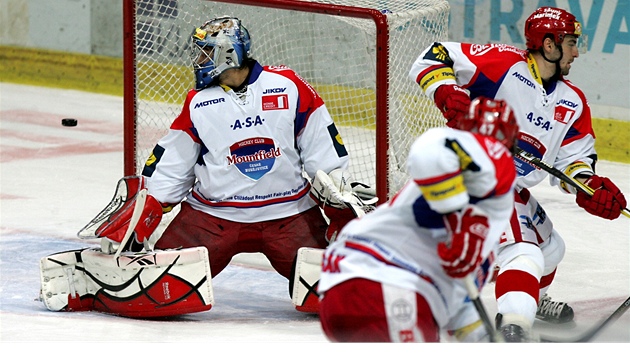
(234, 159)
(396, 274)
(237, 152)
(555, 122)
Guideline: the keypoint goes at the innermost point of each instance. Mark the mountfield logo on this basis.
(209, 102)
(254, 157)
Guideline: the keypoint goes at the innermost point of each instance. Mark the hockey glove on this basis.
(115, 227)
(114, 220)
(453, 102)
(468, 229)
(339, 199)
(607, 200)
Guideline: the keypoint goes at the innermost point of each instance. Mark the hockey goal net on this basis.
(356, 53)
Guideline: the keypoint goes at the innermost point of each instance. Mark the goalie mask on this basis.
(491, 118)
(219, 44)
(554, 22)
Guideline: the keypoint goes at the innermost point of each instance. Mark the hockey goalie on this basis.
(125, 276)
(256, 164)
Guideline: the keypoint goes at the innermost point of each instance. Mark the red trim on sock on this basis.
(516, 280)
(547, 279)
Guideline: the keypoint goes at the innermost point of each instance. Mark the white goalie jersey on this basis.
(242, 153)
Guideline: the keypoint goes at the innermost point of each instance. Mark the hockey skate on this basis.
(553, 311)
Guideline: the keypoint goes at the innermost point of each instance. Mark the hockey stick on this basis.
(473, 294)
(593, 331)
(536, 162)
(135, 217)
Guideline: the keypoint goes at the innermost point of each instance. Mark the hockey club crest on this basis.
(254, 157)
(531, 145)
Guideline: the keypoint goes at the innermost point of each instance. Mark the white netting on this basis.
(336, 54)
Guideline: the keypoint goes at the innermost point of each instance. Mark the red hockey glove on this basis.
(115, 227)
(453, 102)
(606, 202)
(468, 229)
(113, 221)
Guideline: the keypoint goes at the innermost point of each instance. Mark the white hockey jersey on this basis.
(241, 158)
(555, 120)
(397, 243)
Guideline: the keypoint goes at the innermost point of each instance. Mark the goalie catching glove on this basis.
(116, 219)
(340, 199)
(468, 229)
(607, 200)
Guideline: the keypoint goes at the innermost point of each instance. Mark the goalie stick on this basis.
(536, 162)
(473, 294)
(593, 331)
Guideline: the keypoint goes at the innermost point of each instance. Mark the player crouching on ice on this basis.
(399, 273)
(234, 160)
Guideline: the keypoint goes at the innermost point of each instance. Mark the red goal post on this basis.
(356, 53)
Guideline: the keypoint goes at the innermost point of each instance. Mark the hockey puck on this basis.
(69, 122)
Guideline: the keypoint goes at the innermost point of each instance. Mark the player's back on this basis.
(410, 225)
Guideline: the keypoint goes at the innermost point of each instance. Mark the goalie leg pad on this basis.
(308, 268)
(137, 285)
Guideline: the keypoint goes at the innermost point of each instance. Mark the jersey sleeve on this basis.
(437, 171)
(170, 168)
(434, 67)
(317, 137)
(479, 68)
(577, 155)
(455, 168)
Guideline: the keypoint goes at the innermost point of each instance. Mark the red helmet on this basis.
(491, 118)
(550, 20)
